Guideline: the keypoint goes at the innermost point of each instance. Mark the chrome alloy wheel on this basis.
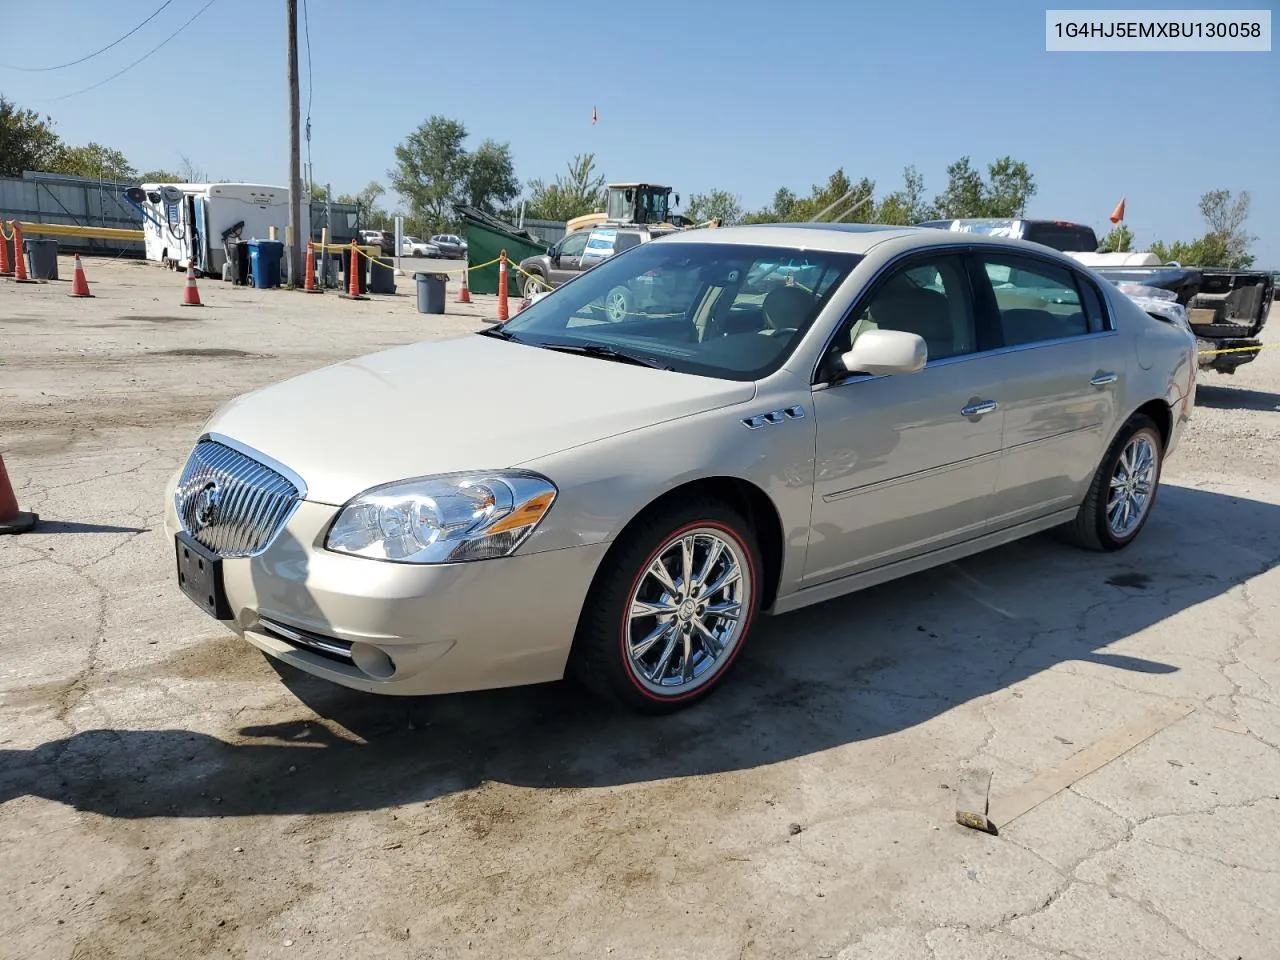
(1132, 485)
(616, 305)
(686, 611)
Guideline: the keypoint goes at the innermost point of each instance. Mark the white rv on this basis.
(196, 222)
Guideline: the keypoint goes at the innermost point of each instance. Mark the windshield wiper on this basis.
(607, 353)
(498, 332)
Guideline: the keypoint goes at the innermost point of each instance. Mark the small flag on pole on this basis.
(1118, 213)
(593, 115)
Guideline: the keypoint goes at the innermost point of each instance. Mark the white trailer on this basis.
(193, 222)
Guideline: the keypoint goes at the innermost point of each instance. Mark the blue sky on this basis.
(745, 96)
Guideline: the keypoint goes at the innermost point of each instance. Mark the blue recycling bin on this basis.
(264, 262)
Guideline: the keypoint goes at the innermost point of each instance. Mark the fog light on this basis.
(373, 661)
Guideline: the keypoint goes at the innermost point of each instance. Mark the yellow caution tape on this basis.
(1261, 346)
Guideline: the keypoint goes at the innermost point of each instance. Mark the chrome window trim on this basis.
(964, 358)
(962, 247)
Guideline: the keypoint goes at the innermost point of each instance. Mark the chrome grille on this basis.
(232, 503)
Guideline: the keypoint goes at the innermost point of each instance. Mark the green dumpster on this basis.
(487, 236)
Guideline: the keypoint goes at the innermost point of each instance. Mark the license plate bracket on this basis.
(200, 576)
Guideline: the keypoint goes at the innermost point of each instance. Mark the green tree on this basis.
(1225, 244)
(1119, 240)
(1226, 218)
(780, 211)
(1004, 194)
(908, 205)
(964, 193)
(27, 140)
(158, 176)
(491, 182)
(372, 215)
(717, 203)
(95, 161)
(839, 199)
(1009, 187)
(431, 170)
(581, 192)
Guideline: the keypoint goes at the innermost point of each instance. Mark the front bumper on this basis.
(403, 628)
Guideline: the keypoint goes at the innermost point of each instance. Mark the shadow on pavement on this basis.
(865, 666)
(72, 526)
(1235, 398)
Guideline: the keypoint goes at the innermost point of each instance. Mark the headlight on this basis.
(443, 519)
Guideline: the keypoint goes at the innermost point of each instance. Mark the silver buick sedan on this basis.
(782, 415)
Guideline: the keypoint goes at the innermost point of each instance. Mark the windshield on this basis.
(713, 309)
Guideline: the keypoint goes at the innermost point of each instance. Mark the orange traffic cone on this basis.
(6, 270)
(464, 295)
(353, 277)
(20, 261)
(191, 296)
(310, 285)
(80, 286)
(12, 520)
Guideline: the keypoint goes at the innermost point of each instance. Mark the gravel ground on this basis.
(164, 791)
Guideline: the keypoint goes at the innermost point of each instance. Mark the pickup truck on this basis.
(1226, 309)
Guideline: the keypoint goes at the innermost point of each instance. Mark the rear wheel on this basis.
(1123, 490)
(670, 609)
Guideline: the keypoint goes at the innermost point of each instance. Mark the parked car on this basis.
(451, 245)
(579, 251)
(649, 487)
(413, 247)
(384, 240)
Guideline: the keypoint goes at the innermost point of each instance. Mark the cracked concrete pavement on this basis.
(166, 791)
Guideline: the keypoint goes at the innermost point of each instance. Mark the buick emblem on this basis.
(208, 500)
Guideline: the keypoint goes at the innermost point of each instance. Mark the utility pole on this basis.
(295, 152)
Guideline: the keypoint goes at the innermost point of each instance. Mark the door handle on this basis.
(1102, 379)
(979, 409)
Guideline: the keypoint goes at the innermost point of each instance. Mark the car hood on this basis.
(471, 403)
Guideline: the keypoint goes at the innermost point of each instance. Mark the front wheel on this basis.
(532, 285)
(670, 609)
(1123, 490)
(617, 304)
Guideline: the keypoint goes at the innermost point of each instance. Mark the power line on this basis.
(306, 28)
(9, 66)
(136, 62)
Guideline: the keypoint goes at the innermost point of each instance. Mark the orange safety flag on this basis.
(1118, 213)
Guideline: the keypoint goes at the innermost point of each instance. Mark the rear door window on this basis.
(1037, 301)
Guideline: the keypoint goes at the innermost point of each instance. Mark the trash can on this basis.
(382, 275)
(42, 259)
(238, 250)
(361, 272)
(430, 292)
(264, 262)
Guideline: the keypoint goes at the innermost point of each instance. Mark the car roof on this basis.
(836, 237)
(857, 238)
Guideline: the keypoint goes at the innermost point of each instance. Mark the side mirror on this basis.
(886, 352)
